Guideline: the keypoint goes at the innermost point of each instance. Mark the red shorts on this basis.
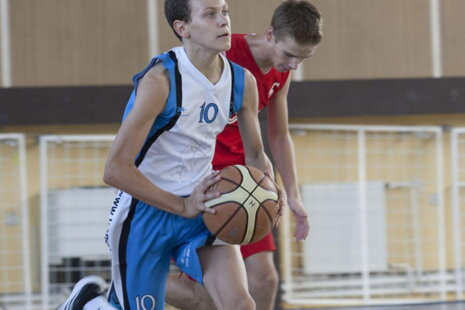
(266, 244)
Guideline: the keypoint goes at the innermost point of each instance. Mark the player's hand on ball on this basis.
(195, 203)
(247, 207)
(281, 199)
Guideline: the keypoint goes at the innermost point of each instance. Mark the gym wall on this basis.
(54, 43)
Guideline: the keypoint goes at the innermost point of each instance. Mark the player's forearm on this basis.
(132, 181)
(282, 150)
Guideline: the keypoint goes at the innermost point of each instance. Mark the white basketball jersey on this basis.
(179, 149)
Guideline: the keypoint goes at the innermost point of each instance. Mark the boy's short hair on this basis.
(298, 19)
(177, 10)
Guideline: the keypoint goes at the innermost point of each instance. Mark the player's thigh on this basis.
(260, 264)
(224, 272)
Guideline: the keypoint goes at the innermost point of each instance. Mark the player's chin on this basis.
(223, 48)
(224, 43)
(281, 69)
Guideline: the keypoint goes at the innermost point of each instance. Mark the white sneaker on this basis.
(84, 291)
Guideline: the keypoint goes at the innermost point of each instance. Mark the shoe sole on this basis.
(80, 285)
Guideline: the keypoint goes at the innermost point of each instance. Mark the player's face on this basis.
(288, 54)
(210, 25)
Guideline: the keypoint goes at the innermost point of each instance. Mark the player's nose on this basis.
(293, 66)
(294, 63)
(223, 20)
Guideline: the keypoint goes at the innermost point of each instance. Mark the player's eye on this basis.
(225, 12)
(210, 14)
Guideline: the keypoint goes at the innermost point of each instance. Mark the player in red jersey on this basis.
(293, 36)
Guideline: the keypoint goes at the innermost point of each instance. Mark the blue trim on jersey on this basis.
(170, 109)
(129, 105)
(168, 117)
(238, 74)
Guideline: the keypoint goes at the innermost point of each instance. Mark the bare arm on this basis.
(282, 149)
(120, 169)
(249, 127)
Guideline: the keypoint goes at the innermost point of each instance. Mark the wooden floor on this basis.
(456, 305)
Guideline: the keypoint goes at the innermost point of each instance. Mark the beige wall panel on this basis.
(82, 42)
(372, 39)
(246, 16)
(1, 55)
(166, 36)
(453, 37)
(251, 16)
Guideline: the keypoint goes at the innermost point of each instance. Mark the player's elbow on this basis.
(109, 174)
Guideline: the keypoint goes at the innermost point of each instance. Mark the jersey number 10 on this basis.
(208, 113)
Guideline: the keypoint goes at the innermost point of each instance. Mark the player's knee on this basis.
(264, 281)
(203, 303)
(240, 301)
(244, 303)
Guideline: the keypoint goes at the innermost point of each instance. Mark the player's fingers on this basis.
(209, 210)
(281, 208)
(298, 233)
(212, 195)
(302, 231)
(210, 180)
(276, 222)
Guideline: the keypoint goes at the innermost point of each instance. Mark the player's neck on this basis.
(209, 64)
(260, 51)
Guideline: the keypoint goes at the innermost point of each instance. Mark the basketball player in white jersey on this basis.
(161, 162)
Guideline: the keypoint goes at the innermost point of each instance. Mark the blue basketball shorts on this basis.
(142, 240)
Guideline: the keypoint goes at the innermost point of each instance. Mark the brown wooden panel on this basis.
(376, 97)
(105, 104)
(453, 37)
(82, 42)
(372, 39)
(62, 105)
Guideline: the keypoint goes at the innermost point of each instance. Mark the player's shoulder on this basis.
(250, 83)
(157, 74)
(249, 78)
(155, 83)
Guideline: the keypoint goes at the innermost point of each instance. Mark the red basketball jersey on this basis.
(229, 149)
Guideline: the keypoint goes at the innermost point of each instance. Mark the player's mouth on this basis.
(224, 35)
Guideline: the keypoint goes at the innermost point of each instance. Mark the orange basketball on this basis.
(247, 207)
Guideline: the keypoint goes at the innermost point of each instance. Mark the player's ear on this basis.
(181, 28)
(269, 34)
